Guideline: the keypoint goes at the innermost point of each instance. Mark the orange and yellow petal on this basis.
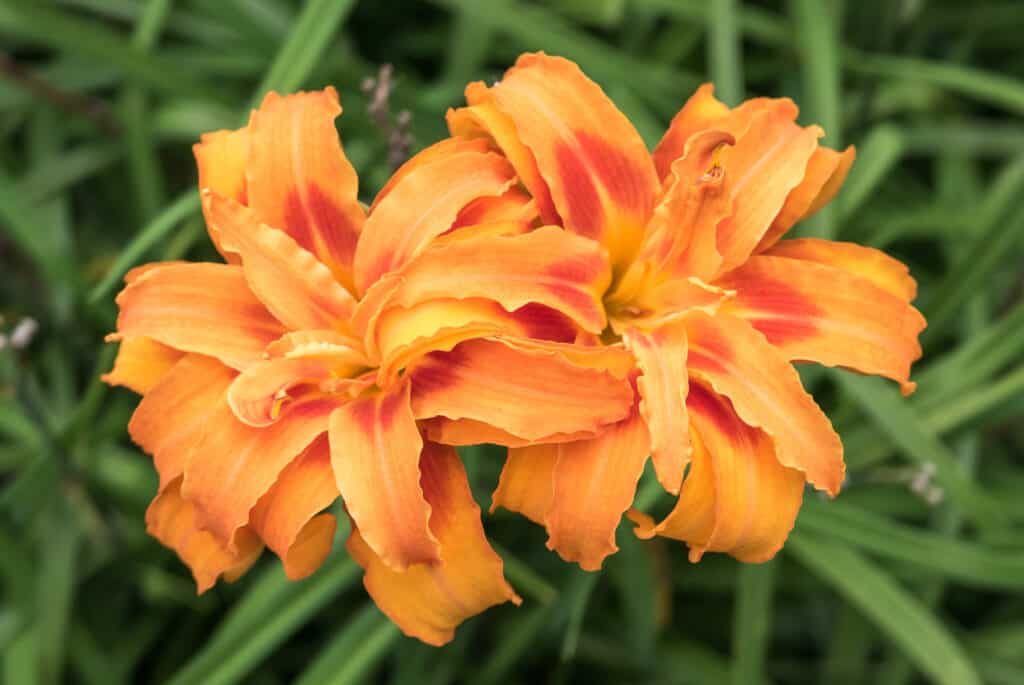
(738, 362)
(375, 452)
(428, 601)
(194, 307)
(288, 517)
(141, 363)
(222, 158)
(700, 112)
(527, 482)
(299, 179)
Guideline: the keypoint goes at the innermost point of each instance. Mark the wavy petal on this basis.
(527, 482)
(428, 601)
(300, 180)
(432, 153)
(288, 516)
(461, 432)
(513, 205)
(820, 313)
(700, 112)
(204, 308)
(222, 158)
(739, 363)
(375, 452)
(141, 363)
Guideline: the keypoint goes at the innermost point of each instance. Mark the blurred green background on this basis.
(915, 574)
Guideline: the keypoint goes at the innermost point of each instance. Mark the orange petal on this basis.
(826, 171)
(483, 380)
(661, 356)
(527, 482)
(820, 313)
(739, 363)
(140, 364)
(891, 275)
(766, 163)
(600, 174)
(428, 601)
(300, 180)
(547, 266)
(439, 150)
(297, 289)
(170, 419)
(204, 308)
(700, 112)
(594, 484)
(288, 516)
(375, 451)
(173, 521)
(422, 206)
(233, 464)
(468, 432)
(222, 158)
(511, 206)
(737, 497)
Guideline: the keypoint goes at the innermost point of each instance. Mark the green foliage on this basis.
(915, 573)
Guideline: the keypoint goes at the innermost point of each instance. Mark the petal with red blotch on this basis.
(428, 601)
(172, 520)
(661, 356)
(292, 283)
(511, 206)
(601, 177)
(288, 516)
(700, 112)
(170, 419)
(766, 163)
(737, 497)
(820, 313)
(527, 482)
(375, 452)
(422, 206)
(739, 363)
(203, 308)
(547, 266)
(233, 465)
(484, 380)
(891, 275)
(594, 484)
(222, 158)
(300, 180)
(141, 363)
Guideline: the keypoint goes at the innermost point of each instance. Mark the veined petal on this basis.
(300, 180)
(547, 266)
(423, 205)
(204, 308)
(428, 601)
(484, 380)
(172, 520)
(375, 452)
(737, 497)
(661, 356)
(141, 363)
(891, 275)
(594, 484)
(826, 171)
(233, 464)
(601, 177)
(815, 312)
(290, 281)
(700, 112)
(527, 482)
(170, 419)
(222, 158)
(432, 153)
(738, 362)
(288, 516)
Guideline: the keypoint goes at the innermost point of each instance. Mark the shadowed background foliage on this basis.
(915, 574)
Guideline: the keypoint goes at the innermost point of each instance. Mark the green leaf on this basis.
(752, 622)
(725, 51)
(349, 657)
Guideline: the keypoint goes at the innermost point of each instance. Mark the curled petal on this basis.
(288, 516)
(700, 112)
(815, 312)
(259, 394)
(514, 206)
(203, 308)
(141, 363)
(428, 601)
(222, 158)
(739, 363)
(299, 179)
(375, 452)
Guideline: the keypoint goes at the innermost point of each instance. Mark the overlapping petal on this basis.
(141, 363)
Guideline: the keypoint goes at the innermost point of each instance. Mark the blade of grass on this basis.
(752, 621)
(725, 51)
(877, 156)
(349, 656)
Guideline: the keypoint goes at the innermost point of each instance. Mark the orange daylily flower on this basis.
(312, 362)
(713, 309)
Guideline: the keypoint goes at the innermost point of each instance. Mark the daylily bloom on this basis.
(309, 365)
(712, 307)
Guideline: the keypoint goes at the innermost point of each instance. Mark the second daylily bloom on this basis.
(309, 364)
(713, 309)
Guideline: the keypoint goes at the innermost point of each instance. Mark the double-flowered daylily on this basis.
(312, 362)
(711, 306)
